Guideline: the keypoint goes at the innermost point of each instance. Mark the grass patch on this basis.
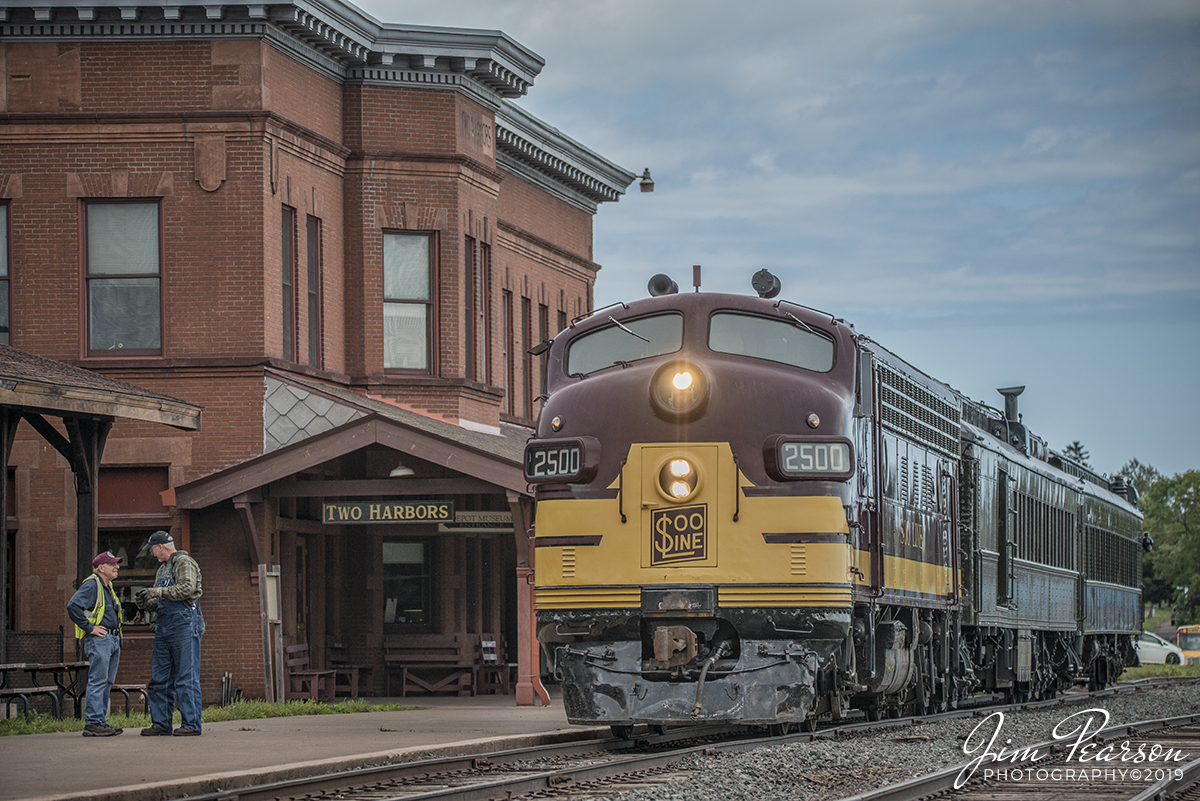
(1155, 671)
(239, 710)
(1161, 615)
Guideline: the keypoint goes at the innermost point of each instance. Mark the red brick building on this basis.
(339, 238)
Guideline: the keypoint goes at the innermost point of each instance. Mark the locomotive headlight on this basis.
(678, 479)
(679, 390)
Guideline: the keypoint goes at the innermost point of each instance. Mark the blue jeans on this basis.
(103, 655)
(175, 665)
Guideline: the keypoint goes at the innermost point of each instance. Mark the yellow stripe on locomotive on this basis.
(705, 532)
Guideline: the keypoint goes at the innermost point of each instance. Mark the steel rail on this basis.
(451, 765)
(547, 779)
(947, 779)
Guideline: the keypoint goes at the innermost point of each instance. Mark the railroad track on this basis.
(585, 768)
(1077, 766)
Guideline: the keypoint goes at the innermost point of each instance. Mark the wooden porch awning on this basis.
(33, 388)
(45, 387)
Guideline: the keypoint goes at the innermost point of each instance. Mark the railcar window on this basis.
(774, 340)
(604, 347)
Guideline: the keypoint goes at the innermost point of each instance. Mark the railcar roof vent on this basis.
(1013, 431)
(1010, 402)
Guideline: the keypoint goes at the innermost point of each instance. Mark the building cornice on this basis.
(342, 42)
(336, 36)
(545, 156)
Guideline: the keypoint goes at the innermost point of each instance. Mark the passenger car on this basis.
(1154, 650)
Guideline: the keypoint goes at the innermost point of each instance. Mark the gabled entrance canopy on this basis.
(33, 388)
(480, 471)
(483, 472)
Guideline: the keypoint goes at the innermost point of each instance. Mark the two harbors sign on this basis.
(366, 512)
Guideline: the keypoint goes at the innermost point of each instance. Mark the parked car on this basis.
(1154, 650)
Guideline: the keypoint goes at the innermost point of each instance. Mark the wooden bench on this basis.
(22, 694)
(343, 669)
(310, 682)
(492, 671)
(430, 663)
(126, 689)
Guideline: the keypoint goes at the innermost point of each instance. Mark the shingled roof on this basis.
(37, 384)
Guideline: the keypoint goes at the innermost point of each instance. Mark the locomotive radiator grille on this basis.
(588, 597)
(909, 408)
(568, 562)
(787, 595)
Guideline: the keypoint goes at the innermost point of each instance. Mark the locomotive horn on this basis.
(662, 285)
(765, 284)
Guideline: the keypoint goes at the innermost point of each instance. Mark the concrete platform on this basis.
(135, 768)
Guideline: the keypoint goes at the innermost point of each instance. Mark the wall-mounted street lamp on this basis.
(647, 182)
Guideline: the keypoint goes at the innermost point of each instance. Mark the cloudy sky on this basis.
(1002, 193)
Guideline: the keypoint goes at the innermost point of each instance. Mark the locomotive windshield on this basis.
(774, 340)
(626, 341)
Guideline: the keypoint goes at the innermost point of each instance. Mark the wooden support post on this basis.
(9, 420)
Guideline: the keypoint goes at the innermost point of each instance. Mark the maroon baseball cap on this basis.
(106, 558)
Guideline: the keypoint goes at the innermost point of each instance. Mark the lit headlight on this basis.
(679, 390)
(678, 479)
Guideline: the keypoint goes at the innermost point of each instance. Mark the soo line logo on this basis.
(679, 534)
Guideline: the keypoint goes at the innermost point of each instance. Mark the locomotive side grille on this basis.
(568, 562)
(588, 597)
(910, 409)
(799, 559)
(1111, 558)
(786, 595)
(968, 484)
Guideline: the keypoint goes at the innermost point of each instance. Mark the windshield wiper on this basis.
(626, 330)
(799, 322)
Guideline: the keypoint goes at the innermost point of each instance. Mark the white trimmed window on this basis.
(407, 301)
(123, 277)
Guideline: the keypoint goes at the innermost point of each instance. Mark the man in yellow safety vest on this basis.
(96, 612)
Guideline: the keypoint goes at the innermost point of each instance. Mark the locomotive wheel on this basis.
(778, 729)
(621, 732)
(872, 713)
(808, 725)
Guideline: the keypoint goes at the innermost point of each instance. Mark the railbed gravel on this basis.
(823, 770)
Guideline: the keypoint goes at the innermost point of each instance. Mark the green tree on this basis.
(1141, 476)
(1172, 509)
(1077, 452)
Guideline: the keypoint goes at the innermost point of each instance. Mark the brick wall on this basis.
(224, 134)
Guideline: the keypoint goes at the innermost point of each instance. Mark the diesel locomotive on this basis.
(748, 512)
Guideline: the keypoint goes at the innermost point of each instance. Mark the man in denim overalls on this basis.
(175, 660)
